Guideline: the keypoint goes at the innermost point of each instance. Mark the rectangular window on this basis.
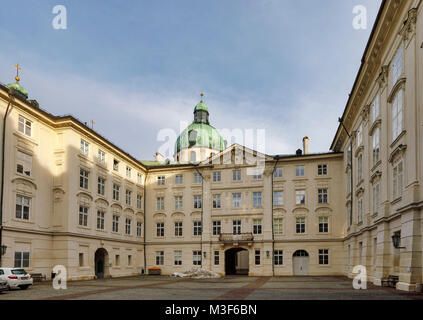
(21, 260)
(217, 176)
(160, 203)
(397, 180)
(139, 229)
(360, 135)
(160, 229)
(375, 108)
(258, 174)
(178, 229)
(24, 163)
(101, 157)
(216, 201)
(257, 199)
(197, 228)
(196, 258)
(300, 197)
(278, 198)
(216, 258)
(159, 258)
(115, 165)
(360, 168)
(85, 147)
(236, 200)
(257, 257)
(360, 210)
(116, 192)
(117, 260)
(129, 260)
(278, 257)
(115, 224)
(83, 216)
(83, 178)
(236, 175)
(277, 173)
(397, 112)
(323, 256)
(397, 66)
(81, 259)
(376, 191)
(179, 178)
(140, 178)
(128, 197)
(128, 172)
(300, 226)
(177, 258)
(139, 201)
(178, 202)
(128, 223)
(23, 206)
(161, 180)
(257, 227)
(376, 146)
(323, 224)
(278, 226)
(322, 195)
(197, 178)
(100, 220)
(322, 169)
(217, 228)
(236, 226)
(198, 200)
(299, 171)
(101, 186)
(25, 126)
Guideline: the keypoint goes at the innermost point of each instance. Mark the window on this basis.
(83, 178)
(24, 163)
(376, 148)
(323, 224)
(178, 202)
(300, 197)
(85, 147)
(257, 227)
(198, 201)
(397, 67)
(128, 197)
(178, 229)
(322, 169)
(324, 256)
(115, 165)
(236, 226)
(300, 225)
(160, 203)
(277, 173)
(129, 260)
(197, 228)
(161, 180)
(159, 258)
(375, 109)
(139, 229)
(101, 157)
(21, 260)
(376, 191)
(397, 110)
(360, 210)
(83, 216)
(100, 220)
(216, 258)
(197, 178)
(128, 172)
(179, 179)
(360, 167)
(278, 198)
(278, 257)
(217, 228)
(81, 259)
(360, 135)
(397, 180)
(177, 258)
(101, 186)
(196, 258)
(257, 199)
(116, 192)
(278, 226)
(193, 156)
(322, 195)
(217, 176)
(117, 260)
(23, 205)
(25, 126)
(160, 229)
(257, 257)
(140, 178)
(139, 201)
(349, 181)
(299, 171)
(236, 200)
(216, 201)
(115, 224)
(128, 223)
(257, 174)
(236, 175)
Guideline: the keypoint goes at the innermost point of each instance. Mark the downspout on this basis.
(202, 205)
(273, 231)
(145, 222)
(2, 173)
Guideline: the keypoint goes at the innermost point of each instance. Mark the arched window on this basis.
(301, 253)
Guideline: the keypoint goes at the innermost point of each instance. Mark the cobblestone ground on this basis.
(228, 288)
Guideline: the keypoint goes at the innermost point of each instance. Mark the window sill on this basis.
(396, 200)
(23, 221)
(83, 227)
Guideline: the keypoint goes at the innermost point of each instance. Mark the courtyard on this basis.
(227, 288)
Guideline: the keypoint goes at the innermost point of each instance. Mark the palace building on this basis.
(71, 197)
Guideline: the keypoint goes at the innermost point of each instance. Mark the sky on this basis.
(282, 68)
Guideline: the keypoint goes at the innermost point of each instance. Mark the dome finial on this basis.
(202, 95)
(17, 72)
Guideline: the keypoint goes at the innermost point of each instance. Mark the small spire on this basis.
(17, 72)
(202, 95)
(92, 124)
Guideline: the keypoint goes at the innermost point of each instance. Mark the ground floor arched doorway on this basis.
(300, 263)
(236, 261)
(101, 263)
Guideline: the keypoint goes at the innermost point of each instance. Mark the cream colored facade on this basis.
(293, 217)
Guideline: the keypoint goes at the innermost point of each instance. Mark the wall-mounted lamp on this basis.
(204, 254)
(3, 250)
(268, 253)
(396, 240)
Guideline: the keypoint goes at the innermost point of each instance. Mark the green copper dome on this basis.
(17, 87)
(201, 106)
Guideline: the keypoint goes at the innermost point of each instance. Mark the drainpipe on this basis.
(202, 205)
(145, 220)
(273, 231)
(2, 172)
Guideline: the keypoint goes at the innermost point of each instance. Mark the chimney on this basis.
(306, 142)
(159, 157)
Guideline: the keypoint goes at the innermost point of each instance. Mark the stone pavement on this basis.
(228, 288)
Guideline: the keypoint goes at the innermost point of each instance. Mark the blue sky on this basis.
(138, 67)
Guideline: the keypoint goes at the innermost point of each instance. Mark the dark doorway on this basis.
(236, 261)
(101, 259)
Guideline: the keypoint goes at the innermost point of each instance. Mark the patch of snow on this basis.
(196, 273)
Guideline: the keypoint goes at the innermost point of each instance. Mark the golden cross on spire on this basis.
(17, 72)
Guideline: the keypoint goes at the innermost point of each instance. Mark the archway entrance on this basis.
(300, 263)
(236, 261)
(101, 263)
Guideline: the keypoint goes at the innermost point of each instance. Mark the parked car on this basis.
(16, 278)
(3, 285)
